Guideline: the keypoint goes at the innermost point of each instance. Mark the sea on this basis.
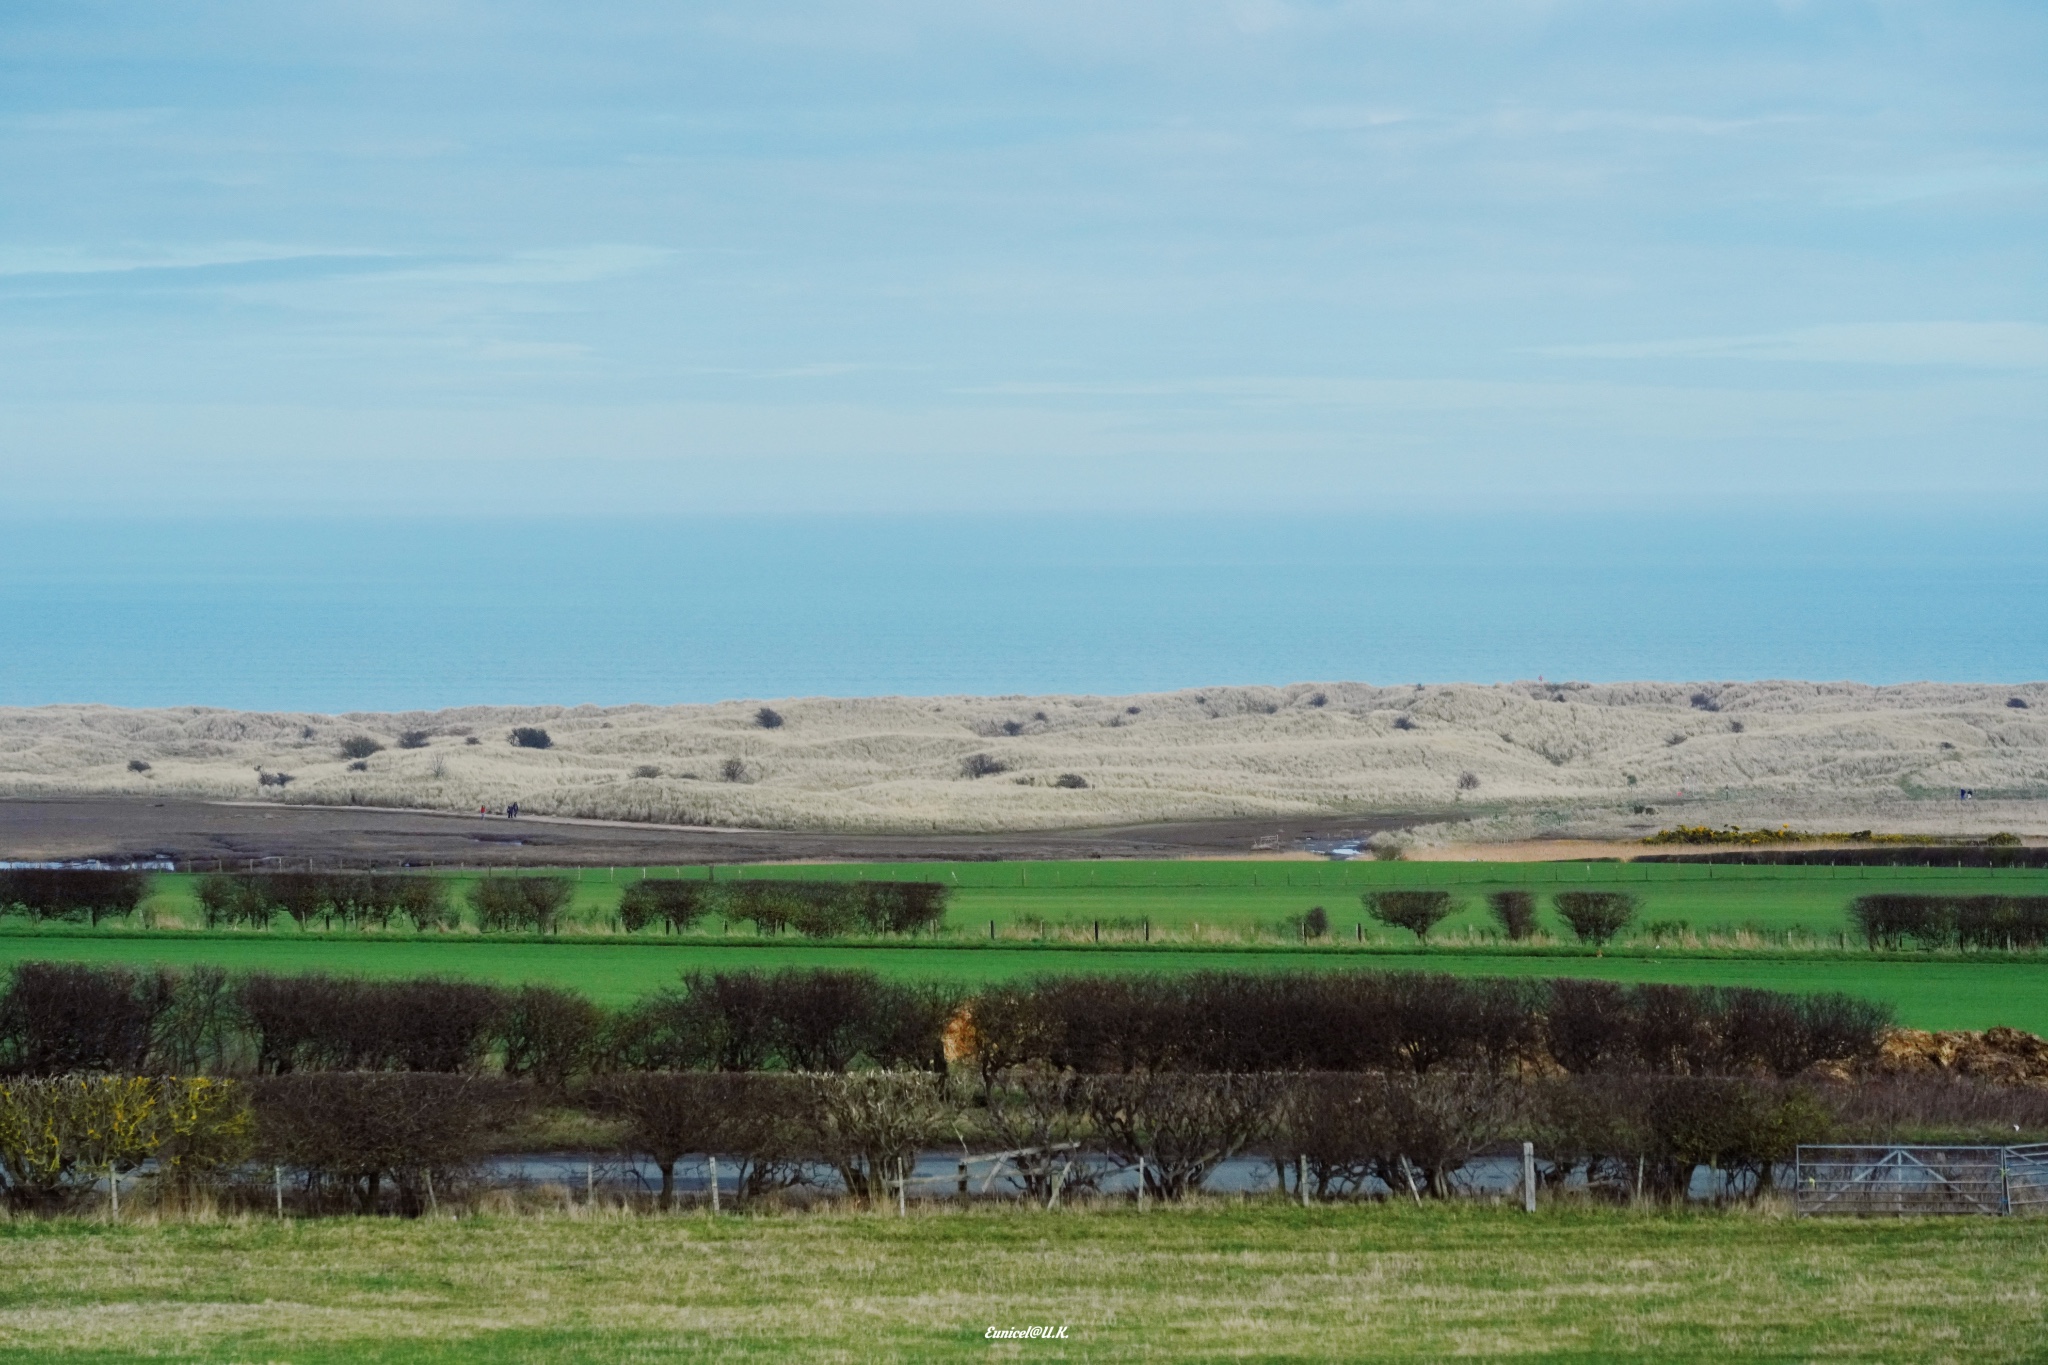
(367, 614)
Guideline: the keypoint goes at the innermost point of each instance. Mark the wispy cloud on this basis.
(1979, 345)
(67, 260)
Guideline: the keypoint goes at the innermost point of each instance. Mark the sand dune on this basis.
(1511, 760)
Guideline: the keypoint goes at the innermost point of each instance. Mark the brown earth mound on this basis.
(2002, 1056)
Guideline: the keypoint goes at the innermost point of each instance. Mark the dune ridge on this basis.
(1499, 761)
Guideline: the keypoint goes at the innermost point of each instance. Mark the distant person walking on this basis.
(512, 811)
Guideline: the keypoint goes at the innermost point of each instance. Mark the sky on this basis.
(932, 258)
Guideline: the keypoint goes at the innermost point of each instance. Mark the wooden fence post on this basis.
(1528, 1177)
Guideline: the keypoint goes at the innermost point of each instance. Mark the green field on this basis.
(1189, 897)
(1256, 1280)
(1976, 992)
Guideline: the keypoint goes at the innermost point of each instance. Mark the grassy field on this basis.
(1236, 897)
(1246, 1281)
(1973, 992)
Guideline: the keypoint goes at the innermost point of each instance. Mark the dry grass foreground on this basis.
(1258, 1281)
(1525, 758)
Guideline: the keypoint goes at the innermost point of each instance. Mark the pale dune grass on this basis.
(1222, 1279)
(1548, 760)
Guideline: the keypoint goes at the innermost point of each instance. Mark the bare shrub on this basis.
(982, 765)
(316, 1022)
(1070, 781)
(670, 1115)
(531, 737)
(60, 1017)
(675, 904)
(137, 765)
(413, 739)
(1404, 722)
(547, 1034)
(1596, 916)
(347, 1133)
(65, 893)
(508, 903)
(200, 1026)
(1937, 1108)
(1704, 701)
(264, 779)
(1039, 1116)
(1181, 1126)
(869, 1126)
(719, 1020)
(1514, 911)
(1468, 781)
(768, 718)
(733, 770)
(360, 746)
(1408, 1131)
(1416, 911)
(424, 901)
(821, 909)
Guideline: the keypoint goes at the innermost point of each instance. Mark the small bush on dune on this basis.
(136, 765)
(982, 765)
(413, 739)
(768, 718)
(360, 746)
(531, 737)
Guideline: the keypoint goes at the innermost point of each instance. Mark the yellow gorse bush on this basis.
(56, 1132)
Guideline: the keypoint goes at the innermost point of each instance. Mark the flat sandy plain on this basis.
(1499, 762)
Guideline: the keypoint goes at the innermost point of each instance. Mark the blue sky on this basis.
(1168, 257)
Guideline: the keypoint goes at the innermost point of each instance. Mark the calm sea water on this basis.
(332, 615)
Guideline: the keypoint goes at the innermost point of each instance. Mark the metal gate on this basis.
(1904, 1179)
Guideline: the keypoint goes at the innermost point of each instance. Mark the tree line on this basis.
(497, 904)
(1890, 921)
(385, 1095)
(59, 1018)
(407, 1142)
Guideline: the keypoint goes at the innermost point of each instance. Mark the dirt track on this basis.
(199, 831)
